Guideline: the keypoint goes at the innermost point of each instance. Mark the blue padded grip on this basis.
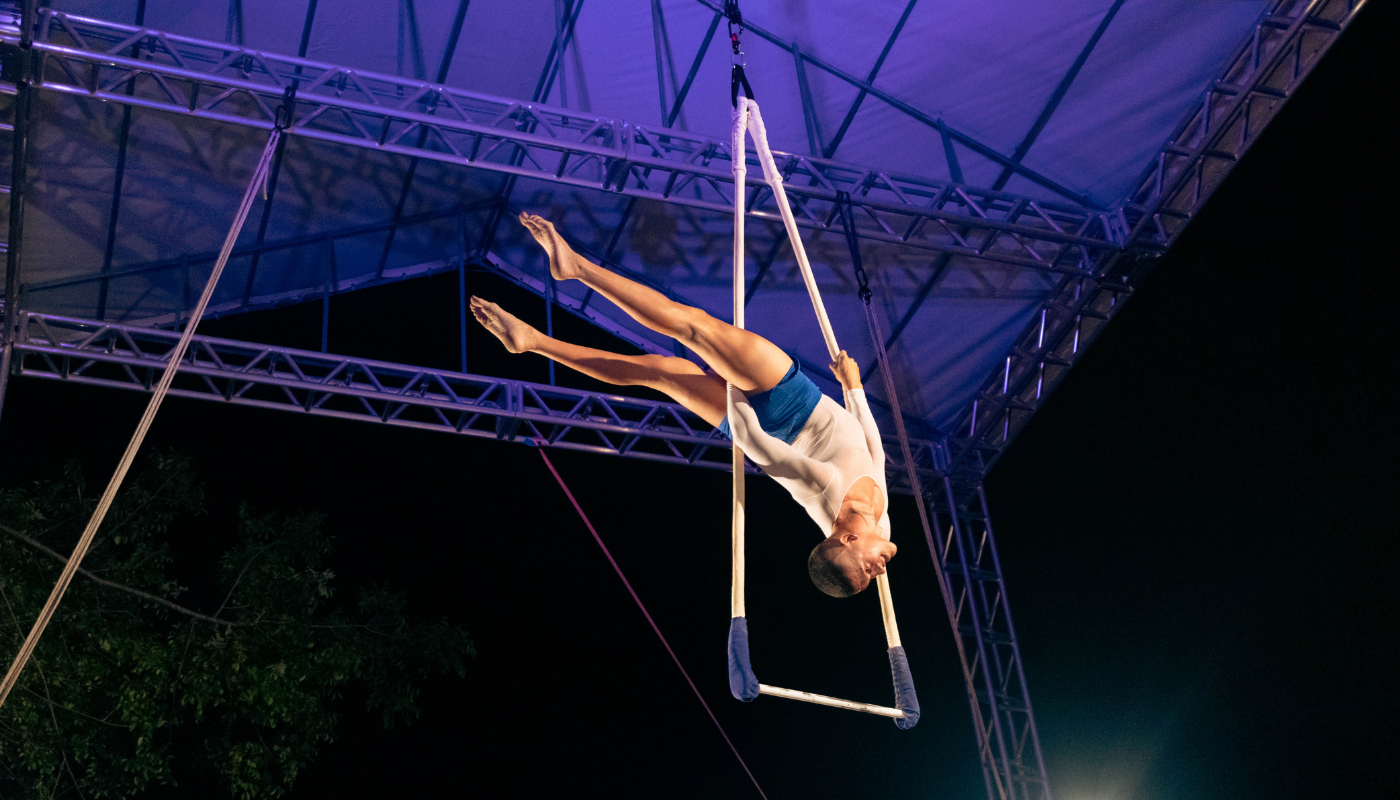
(742, 683)
(904, 697)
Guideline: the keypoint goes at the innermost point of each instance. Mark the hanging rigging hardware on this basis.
(848, 222)
(737, 78)
(285, 115)
(286, 112)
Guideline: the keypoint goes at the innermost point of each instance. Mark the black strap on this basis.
(737, 78)
(286, 112)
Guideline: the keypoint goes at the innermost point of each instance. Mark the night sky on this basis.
(1194, 532)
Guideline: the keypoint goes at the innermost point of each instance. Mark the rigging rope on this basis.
(172, 365)
(650, 621)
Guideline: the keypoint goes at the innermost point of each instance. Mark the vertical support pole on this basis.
(809, 113)
(987, 645)
(955, 172)
(24, 69)
(462, 286)
(938, 549)
(549, 290)
(123, 141)
(1001, 773)
(656, 37)
(326, 295)
(1031, 731)
(679, 105)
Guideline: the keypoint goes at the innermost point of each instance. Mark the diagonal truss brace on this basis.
(320, 384)
(225, 83)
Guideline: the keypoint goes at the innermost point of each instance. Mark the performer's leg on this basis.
(743, 358)
(682, 381)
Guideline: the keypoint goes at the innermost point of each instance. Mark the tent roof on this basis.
(1066, 104)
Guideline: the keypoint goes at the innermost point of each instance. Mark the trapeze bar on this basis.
(834, 702)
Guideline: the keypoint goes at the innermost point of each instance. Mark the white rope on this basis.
(173, 359)
(775, 183)
(741, 171)
(747, 117)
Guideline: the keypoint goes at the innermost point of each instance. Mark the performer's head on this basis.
(849, 560)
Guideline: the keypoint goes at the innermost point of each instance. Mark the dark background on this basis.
(1195, 531)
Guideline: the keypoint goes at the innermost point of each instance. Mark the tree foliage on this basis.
(125, 677)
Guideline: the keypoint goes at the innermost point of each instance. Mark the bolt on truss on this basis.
(1288, 41)
(320, 384)
(1013, 765)
(226, 83)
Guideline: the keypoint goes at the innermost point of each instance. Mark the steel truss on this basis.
(1096, 257)
(320, 384)
(1288, 41)
(1013, 765)
(226, 83)
(19, 62)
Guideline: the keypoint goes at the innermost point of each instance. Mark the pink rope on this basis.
(651, 621)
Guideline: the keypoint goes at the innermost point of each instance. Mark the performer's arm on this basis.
(848, 373)
(856, 402)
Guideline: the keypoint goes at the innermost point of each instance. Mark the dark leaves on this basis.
(119, 681)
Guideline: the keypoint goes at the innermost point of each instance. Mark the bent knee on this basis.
(696, 326)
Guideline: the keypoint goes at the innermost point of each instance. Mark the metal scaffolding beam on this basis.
(870, 79)
(1288, 41)
(123, 142)
(1008, 743)
(216, 81)
(1035, 364)
(19, 61)
(319, 384)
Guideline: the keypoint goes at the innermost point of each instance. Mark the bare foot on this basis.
(517, 336)
(563, 263)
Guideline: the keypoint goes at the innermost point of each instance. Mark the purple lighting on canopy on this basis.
(984, 72)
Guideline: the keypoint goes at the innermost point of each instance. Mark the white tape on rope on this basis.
(775, 183)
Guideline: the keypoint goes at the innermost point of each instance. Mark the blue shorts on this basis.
(784, 409)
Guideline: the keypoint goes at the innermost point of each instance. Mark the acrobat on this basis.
(829, 458)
